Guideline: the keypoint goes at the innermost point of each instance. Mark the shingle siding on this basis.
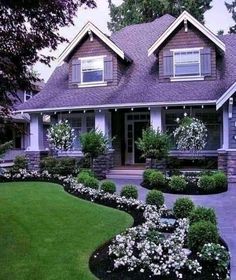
(232, 129)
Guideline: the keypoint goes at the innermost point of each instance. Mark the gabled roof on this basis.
(89, 27)
(221, 101)
(183, 17)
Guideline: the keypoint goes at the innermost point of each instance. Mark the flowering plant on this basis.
(61, 136)
(191, 134)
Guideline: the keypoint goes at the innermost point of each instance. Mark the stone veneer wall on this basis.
(155, 164)
(103, 164)
(34, 159)
(227, 163)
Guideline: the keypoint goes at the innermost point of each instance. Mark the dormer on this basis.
(94, 60)
(187, 51)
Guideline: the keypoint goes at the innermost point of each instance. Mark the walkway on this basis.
(224, 205)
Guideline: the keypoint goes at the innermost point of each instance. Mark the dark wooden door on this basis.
(138, 128)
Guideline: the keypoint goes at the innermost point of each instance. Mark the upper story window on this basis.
(187, 63)
(27, 95)
(92, 70)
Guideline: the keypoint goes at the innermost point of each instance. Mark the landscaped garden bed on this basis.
(163, 244)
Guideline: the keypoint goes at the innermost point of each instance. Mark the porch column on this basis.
(102, 121)
(36, 132)
(225, 128)
(156, 118)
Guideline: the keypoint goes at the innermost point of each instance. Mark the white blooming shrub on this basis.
(60, 136)
(190, 135)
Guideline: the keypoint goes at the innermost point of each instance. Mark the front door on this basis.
(138, 128)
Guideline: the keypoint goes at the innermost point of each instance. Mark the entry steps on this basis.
(125, 173)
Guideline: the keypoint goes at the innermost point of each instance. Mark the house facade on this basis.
(145, 74)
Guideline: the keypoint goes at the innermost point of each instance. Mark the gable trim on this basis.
(221, 101)
(183, 17)
(89, 27)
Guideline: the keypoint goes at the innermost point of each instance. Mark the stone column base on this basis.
(34, 158)
(227, 164)
(103, 164)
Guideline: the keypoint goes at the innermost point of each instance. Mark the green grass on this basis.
(48, 234)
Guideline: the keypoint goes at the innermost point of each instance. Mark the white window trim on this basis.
(26, 93)
(97, 83)
(187, 78)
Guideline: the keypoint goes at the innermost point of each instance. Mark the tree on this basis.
(4, 147)
(28, 27)
(232, 10)
(141, 11)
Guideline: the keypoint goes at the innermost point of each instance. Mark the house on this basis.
(16, 127)
(144, 74)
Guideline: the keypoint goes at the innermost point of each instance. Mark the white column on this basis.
(225, 128)
(156, 118)
(36, 133)
(101, 121)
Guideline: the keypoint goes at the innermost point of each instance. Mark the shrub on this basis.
(20, 162)
(48, 164)
(82, 176)
(62, 166)
(155, 197)
(157, 180)
(183, 207)
(88, 171)
(91, 182)
(129, 191)
(202, 214)
(146, 176)
(201, 233)
(220, 181)
(207, 183)
(178, 183)
(108, 186)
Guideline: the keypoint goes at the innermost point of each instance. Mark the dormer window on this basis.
(27, 95)
(92, 70)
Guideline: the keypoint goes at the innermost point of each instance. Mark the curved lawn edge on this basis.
(128, 221)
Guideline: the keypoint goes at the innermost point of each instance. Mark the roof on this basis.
(221, 101)
(140, 85)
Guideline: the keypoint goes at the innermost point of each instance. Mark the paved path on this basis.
(224, 205)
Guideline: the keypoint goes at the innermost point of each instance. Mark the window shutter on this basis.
(76, 71)
(168, 63)
(206, 62)
(108, 68)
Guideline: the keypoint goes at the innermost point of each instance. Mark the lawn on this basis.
(48, 234)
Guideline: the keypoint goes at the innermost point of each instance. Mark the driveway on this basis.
(224, 205)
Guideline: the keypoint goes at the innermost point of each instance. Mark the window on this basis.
(187, 63)
(27, 95)
(92, 70)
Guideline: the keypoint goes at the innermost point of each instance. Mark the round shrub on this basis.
(201, 233)
(88, 171)
(202, 214)
(129, 191)
(220, 181)
(91, 182)
(207, 184)
(82, 177)
(146, 176)
(157, 180)
(183, 207)
(108, 186)
(178, 184)
(155, 197)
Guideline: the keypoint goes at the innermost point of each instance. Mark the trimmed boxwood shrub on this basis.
(146, 176)
(108, 186)
(157, 180)
(20, 162)
(88, 171)
(220, 181)
(129, 191)
(202, 214)
(62, 166)
(91, 182)
(183, 207)
(201, 233)
(155, 197)
(178, 184)
(207, 183)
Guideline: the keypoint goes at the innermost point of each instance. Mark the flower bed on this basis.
(155, 248)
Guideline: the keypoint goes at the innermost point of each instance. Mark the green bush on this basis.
(207, 183)
(91, 182)
(178, 183)
(20, 162)
(157, 180)
(183, 207)
(82, 177)
(88, 171)
(220, 181)
(203, 214)
(49, 164)
(155, 197)
(62, 166)
(108, 186)
(201, 233)
(129, 191)
(146, 176)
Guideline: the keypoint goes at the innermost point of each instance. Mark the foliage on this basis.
(183, 207)
(28, 27)
(207, 183)
(201, 233)
(157, 180)
(178, 183)
(220, 180)
(190, 135)
(20, 162)
(129, 191)
(108, 186)
(146, 175)
(61, 136)
(232, 10)
(4, 147)
(143, 11)
(91, 182)
(82, 176)
(203, 214)
(156, 198)
(88, 171)
(153, 144)
(216, 255)
(62, 166)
